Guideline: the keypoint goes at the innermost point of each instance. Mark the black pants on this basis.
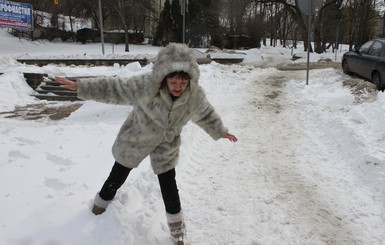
(167, 182)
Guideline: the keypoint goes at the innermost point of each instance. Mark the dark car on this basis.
(368, 62)
(201, 58)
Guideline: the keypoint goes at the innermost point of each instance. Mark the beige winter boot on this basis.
(177, 228)
(100, 205)
(98, 210)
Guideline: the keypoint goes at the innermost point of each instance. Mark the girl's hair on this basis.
(179, 74)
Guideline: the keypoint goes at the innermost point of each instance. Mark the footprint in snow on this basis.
(55, 184)
(59, 160)
(14, 155)
(25, 141)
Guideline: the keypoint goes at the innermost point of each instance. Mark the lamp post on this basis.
(101, 25)
(183, 13)
(309, 7)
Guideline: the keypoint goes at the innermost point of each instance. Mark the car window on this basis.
(365, 47)
(376, 49)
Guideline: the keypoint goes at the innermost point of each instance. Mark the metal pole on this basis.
(337, 37)
(183, 12)
(308, 40)
(338, 31)
(101, 25)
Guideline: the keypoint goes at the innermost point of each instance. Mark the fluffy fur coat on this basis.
(155, 124)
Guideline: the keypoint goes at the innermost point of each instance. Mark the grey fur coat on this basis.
(155, 124)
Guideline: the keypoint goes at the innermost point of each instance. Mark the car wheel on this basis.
(376, 80)
(345, 67)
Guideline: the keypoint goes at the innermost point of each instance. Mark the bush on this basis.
(86, 34)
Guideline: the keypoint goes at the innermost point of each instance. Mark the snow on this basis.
(309, 166)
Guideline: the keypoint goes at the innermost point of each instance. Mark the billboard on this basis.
(16, 15)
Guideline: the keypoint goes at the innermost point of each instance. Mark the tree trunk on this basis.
(318, 34)
(126, 39)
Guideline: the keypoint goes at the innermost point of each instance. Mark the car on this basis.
(368, 62)
(201, 58)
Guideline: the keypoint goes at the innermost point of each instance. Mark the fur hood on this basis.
(176, 57)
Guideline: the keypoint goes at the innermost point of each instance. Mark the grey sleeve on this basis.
(113, 90)
(206, 117)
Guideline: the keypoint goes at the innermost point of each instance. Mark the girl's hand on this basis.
(230, 137)
(68, 84)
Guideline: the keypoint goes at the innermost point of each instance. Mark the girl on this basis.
(163, 101)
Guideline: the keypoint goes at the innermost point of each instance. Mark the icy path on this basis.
(277, 184)
(309, 168)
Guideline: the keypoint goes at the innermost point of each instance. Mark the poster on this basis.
(16, 15)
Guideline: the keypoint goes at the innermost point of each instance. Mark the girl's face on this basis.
(176, 85)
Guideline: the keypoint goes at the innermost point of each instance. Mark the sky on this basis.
(309, 166)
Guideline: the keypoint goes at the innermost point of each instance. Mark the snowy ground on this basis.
(309, 166)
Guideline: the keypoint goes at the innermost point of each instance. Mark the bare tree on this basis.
(322, 27)
(353, 21)
(326, 24)
(361, 19)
